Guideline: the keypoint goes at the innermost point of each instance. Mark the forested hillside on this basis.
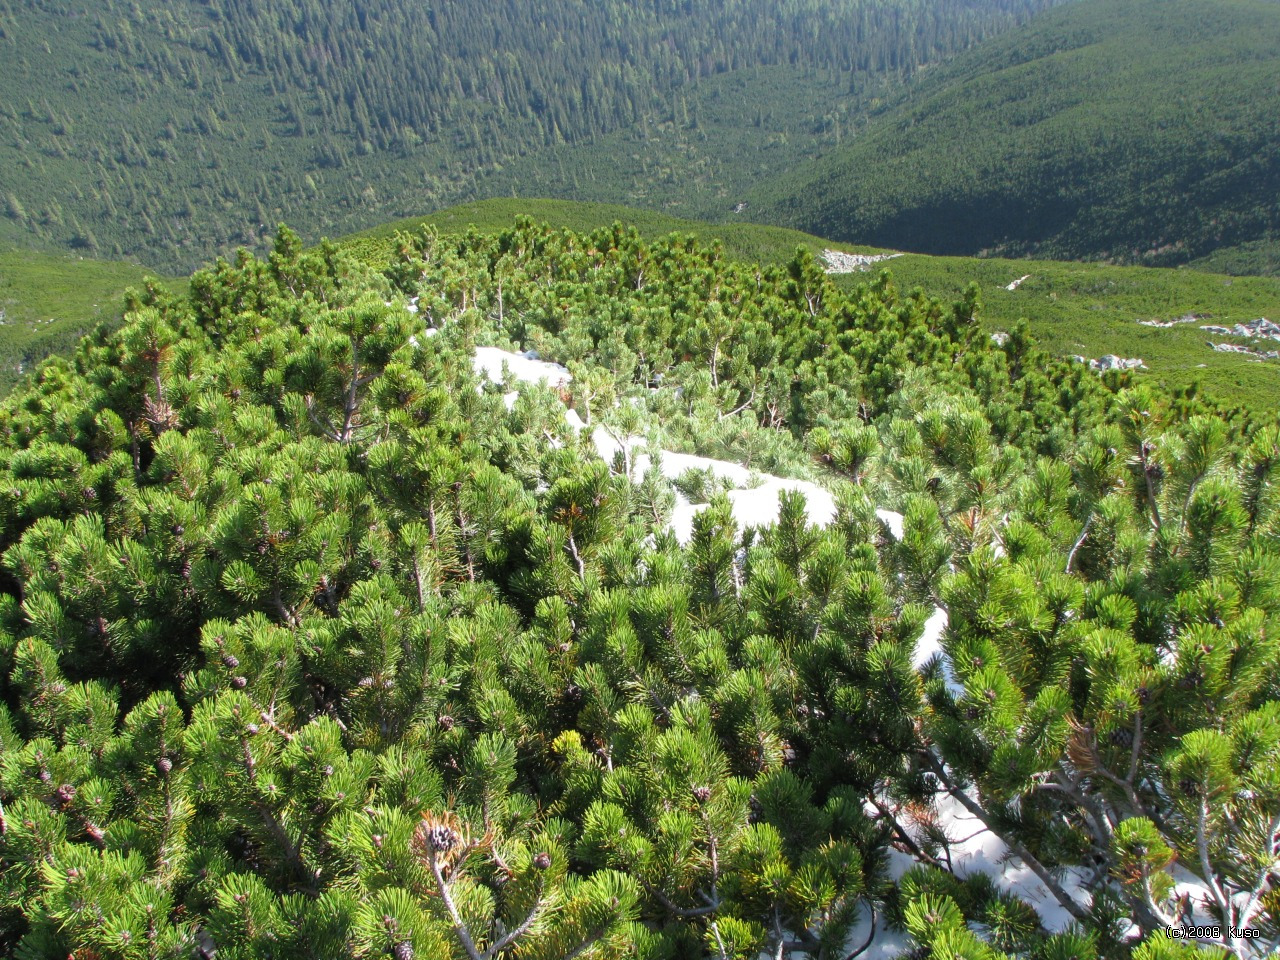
(748, 614)
(171, 131)
(1142, 131)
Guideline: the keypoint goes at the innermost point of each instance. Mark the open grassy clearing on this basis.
(47, 301)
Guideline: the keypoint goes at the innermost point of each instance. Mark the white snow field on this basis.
(524, 367)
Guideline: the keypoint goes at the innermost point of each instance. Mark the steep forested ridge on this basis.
(315, 645)
(1142, 131)
(169, 131)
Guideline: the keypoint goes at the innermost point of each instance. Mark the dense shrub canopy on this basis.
(314, 644)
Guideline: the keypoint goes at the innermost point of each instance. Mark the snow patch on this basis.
(1112, 362)
(1176, 321)
(524, 367)
(977, 850)
(1247, 351)
(1017, 283)
(893, 521)
(1260, 329)
(682, 514)
(840, 262)
(754, 497)
(930, 645)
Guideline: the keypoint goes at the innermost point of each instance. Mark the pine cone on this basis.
(403, 950)
(542, 860)
(702, 794)
(163, 766)
(230, 662)
(1192, 679)
(1121, 738)
(442, 838)
(239, 682)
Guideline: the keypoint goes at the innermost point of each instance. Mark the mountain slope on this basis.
(1087, 309)
(170, 131)
(335, 624)
(1071, 308)
(47, 302)
(1140, 130)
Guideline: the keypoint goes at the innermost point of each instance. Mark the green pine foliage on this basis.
(314, 646)
(1084, 309)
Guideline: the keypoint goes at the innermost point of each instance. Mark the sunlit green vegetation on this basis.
(172, 131)
(47, 302)
(1072, 308)
(1085, 309)
(1140, 131)
(313, 644)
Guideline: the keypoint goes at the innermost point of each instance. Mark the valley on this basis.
(660, 480)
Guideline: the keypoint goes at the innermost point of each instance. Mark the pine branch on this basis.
(327, 429)
(1153, 917)
(1135, 753)
(592, 938)
(870, 936)
(1144, 451)
(1210, 877)
(738, 409)
(1104, 818)
(582, 567)
(1255, 895)
(520, 931)
(293, 852)
(715, 929)
(1071, 557)
(1013, 843)
(1137, 807)
(684, 913)
(270, 720)
(349, 412)
(459, 925)
(904, 837)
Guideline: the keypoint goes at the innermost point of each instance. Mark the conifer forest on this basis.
(551, 577)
